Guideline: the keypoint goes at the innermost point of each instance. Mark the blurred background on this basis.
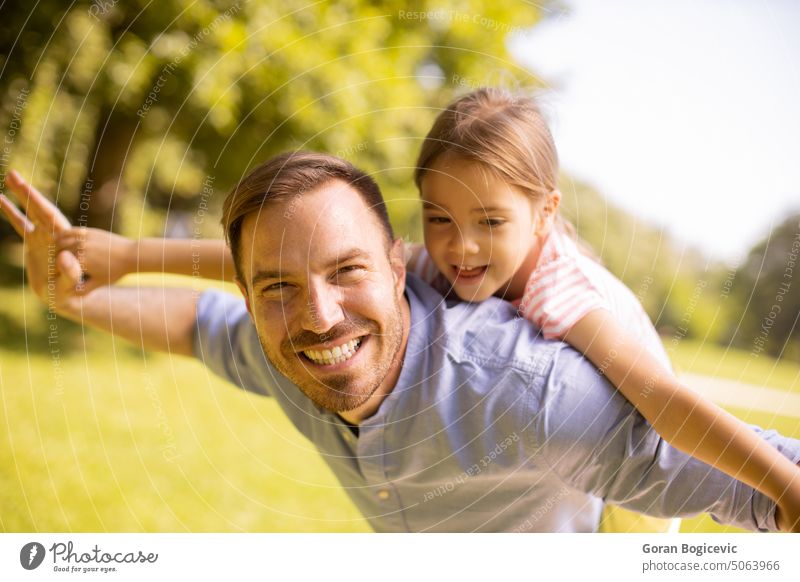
(677, 128)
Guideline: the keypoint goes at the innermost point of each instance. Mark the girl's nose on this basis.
(464, 244)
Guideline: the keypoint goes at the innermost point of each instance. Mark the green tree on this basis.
(680, 289)
(159, 99)
(768, 289)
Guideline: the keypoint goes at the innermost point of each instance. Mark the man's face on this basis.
(324, 295)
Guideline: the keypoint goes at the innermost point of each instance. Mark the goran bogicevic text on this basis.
(697, 550)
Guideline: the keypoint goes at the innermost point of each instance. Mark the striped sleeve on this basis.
(557, 296)
(424, 268)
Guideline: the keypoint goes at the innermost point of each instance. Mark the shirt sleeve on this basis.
(227, 343)
(596, 442)
(558, 295)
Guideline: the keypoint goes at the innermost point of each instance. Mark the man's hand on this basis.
(104, 257)
(156, 319)
(55, 276)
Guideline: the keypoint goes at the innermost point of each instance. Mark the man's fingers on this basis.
(18, 220)
(73, 239)
(22, 191)
(36, 204)
(69, 240)
(87, 286)
(69, 268)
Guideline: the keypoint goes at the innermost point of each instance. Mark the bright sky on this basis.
(685, 112)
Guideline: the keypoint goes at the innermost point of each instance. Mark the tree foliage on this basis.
(768, 287)
(136, 105)
(140, 115)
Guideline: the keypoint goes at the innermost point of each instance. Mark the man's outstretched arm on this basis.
(156, 319)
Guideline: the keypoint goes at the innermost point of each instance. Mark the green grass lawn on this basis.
(711, 360)
(740, 366)
(106, 438)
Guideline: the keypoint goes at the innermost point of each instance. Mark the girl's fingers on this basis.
(18, 220)
(37, 205)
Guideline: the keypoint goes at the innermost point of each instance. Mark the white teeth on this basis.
(337, 355)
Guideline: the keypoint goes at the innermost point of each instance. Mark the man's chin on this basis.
(335, 397)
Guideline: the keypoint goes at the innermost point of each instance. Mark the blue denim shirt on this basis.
(489, 428)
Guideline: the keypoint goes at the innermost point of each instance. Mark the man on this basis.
(434, 417)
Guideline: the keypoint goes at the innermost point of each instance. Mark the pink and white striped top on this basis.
(563, 288)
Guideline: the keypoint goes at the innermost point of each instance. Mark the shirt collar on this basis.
(422, 302)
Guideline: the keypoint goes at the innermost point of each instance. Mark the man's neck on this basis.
(373, 403)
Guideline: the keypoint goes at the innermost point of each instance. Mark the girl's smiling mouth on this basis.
(465, 274)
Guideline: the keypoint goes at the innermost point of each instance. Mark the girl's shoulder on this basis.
(567, 284)
(559, 246)
(559, 293)
(563, 259)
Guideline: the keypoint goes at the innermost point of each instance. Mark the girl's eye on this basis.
(494, 222)
(438, 220)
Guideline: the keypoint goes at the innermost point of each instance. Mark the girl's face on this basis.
(483, 234)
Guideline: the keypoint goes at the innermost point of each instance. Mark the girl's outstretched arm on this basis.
(686, 420)
(105, 257)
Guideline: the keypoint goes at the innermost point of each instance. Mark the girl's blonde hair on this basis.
(506, 134)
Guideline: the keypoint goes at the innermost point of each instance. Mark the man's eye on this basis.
(438, 220)
(349, 272)
(275, 288)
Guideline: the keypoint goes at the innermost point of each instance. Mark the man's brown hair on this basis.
(287, 176)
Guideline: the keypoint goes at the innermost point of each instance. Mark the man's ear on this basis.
(397, 260)
(243, 289)
(548, 211)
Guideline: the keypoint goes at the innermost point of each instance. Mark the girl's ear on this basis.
(548, 212)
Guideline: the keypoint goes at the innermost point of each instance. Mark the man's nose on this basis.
(323, 308)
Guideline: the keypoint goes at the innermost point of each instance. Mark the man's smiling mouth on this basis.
(335, 355)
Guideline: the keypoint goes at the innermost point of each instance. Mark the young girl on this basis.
(487, 174)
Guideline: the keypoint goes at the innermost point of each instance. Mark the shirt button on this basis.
(383, 494)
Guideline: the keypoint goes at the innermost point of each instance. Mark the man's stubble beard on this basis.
(336, 394)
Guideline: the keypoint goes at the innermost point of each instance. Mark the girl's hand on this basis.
(104, 257)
